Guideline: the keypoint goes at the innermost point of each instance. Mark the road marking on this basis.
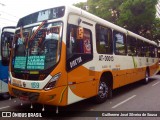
(4, 107)
(156, 83)
(124, 101)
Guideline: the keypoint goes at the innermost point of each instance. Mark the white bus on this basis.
(63, 55)
(6, 39)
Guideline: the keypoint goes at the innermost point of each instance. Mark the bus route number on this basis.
(35, 85)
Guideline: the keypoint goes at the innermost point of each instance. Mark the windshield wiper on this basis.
(39, 27)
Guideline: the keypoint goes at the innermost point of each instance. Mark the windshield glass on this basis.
(38, 47)
(6, 43)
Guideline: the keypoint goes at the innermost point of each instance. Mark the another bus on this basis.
(63, 55)
(6, 43)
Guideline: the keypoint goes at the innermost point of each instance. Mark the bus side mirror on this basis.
(80, 33)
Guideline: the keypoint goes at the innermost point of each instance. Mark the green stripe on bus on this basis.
(134, 62)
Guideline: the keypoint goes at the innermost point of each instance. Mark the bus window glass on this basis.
(146, 51)
(77, 45)
(131, 46)
(152, 51)
(6, 44)
(37, 50)
(156, 51)
(104, 40)
(140, 48)
(120, 43)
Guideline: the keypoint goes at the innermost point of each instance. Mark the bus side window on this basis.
(71, 42)
(119, 43)
(146, 50)
(152, 51)
(104, 40)
(131, 46)
(140, 48)
(78, 44)
(156, 52)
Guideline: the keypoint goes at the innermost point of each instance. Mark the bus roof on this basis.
(9, 29)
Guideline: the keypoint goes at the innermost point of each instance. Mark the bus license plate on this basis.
(24, 98)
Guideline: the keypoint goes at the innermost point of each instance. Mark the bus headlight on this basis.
(52, 82)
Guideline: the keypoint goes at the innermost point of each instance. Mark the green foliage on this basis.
(137, 15)
(156, 29)
(103, 8)
(81, 5)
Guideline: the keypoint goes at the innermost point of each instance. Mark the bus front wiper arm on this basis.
(34, 34)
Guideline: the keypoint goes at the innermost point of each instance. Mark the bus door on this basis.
(79, 55)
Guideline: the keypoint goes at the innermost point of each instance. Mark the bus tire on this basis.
(104, 92)
(6, 96)
(146, 79)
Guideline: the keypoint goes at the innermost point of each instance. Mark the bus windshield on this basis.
(37, 47)
(6, 43)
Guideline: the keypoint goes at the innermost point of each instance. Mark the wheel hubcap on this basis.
(103, 90)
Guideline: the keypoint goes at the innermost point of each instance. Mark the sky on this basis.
(12, 10)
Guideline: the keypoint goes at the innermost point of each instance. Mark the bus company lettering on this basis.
(106, 58)
(75, 62)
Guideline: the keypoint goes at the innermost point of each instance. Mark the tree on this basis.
(138, 16)
(82, 5)
(156, 30)
(106, 9)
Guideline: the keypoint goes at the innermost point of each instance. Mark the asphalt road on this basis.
(132, 100)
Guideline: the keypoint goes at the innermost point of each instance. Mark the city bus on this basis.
(6, 43)
(63, 55)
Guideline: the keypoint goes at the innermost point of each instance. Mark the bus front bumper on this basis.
(56, 96)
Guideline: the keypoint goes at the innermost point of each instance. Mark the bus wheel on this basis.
(146, 79)
(6, 96)
(104, 92)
